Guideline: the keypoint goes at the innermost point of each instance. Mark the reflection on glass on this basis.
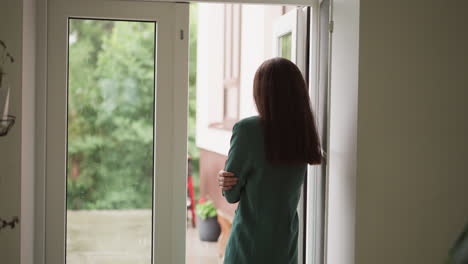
(110, 141)
(285, 45)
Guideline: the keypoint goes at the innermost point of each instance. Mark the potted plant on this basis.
(208, 226)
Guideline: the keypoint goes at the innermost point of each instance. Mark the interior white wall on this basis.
(412, 184)
(28, 131)
(11, 13)
(17, 27)
(339, 244)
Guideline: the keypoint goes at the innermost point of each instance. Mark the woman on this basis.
(266, 166)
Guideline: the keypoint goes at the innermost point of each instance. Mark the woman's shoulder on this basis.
(248, 126)
(251, 123)
(248, 122)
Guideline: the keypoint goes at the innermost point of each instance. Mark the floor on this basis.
(199, 252)
(123, 237)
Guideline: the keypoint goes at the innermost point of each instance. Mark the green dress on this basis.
(265, 226)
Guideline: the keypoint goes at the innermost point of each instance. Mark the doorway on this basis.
(232, 40)
(136, 186)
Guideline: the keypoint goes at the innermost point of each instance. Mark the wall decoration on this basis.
(9, 223)
(6, 121)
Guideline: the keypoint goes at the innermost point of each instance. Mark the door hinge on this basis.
(181, 34)
(331, 26)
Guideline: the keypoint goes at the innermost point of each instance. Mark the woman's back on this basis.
(265, 227)
(269, 156)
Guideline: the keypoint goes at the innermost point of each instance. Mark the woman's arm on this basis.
(226, 180)
(238, 162)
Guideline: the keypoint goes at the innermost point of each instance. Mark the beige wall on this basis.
(412, 175)
(28, 126)
(10, 146)
(17, 29)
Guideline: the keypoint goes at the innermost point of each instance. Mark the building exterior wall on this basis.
(212, 163)
(256, 46)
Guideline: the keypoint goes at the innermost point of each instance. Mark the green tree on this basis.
(111, 115)
(192, 148)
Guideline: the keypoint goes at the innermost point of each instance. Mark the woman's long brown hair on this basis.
(280, 93)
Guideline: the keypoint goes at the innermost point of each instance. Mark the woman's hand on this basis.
(226, 180)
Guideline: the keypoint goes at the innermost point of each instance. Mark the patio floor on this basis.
(200, 252)
(123, 237)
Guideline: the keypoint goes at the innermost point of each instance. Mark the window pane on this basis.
(110, 141)
(285, 46)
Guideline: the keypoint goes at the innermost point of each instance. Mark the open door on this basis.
(116, 157)
(290, 42)
(290, 37)
(301, 35)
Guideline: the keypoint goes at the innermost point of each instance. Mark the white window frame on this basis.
(284, 25)
(316, 178)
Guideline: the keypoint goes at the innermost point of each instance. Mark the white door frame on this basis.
(178, 127)
(288, 23)
(316, 208)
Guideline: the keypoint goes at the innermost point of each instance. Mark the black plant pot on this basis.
(208, 229)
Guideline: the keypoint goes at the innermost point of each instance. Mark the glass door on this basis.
(301, 35)
(290, 42)
(116, 132)
(319, 95)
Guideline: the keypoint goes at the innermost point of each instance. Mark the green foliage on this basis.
(110, 115)
(206, 209)
(110, 132)
(192, 148)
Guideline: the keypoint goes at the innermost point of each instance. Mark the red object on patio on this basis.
(190, 190)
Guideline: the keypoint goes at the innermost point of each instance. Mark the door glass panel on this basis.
(285, 45)
(111, 79)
